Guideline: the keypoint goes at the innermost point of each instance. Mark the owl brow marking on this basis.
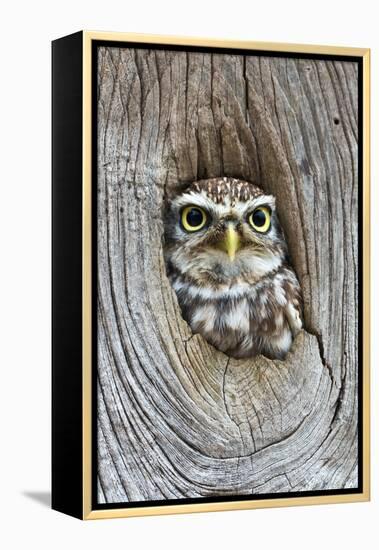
(252, 204)
(191, 198)
(218, 195)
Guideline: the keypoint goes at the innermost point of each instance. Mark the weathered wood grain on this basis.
(176, 417)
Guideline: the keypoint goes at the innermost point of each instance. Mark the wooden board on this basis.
(176, 418)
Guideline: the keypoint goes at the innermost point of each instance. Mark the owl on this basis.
(227, 260)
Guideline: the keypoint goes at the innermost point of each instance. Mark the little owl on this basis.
(227, 261)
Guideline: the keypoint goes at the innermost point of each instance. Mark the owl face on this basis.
(222, 230)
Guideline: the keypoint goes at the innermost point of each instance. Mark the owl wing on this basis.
(293, 316)
(293, 308)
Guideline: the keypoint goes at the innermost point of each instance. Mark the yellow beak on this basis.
(232, 242)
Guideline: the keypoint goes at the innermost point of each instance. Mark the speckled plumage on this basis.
(246, 306)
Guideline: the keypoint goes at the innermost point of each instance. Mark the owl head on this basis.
(223, 229)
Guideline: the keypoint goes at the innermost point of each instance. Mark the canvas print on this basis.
(228, 320)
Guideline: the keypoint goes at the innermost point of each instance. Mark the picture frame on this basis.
(153, 433)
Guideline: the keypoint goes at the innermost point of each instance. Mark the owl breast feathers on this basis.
(227, 261)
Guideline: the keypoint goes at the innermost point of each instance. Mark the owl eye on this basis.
(193, 218)
(260, 219)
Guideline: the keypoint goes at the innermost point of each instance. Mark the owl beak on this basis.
(232, 242)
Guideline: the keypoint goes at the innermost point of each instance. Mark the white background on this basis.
(26, 31)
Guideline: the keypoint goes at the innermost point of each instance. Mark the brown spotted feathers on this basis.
(245, 303)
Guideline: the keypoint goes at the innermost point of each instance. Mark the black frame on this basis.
(67, 164)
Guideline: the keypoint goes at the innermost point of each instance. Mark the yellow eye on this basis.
(260, 219)
(193, 218)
